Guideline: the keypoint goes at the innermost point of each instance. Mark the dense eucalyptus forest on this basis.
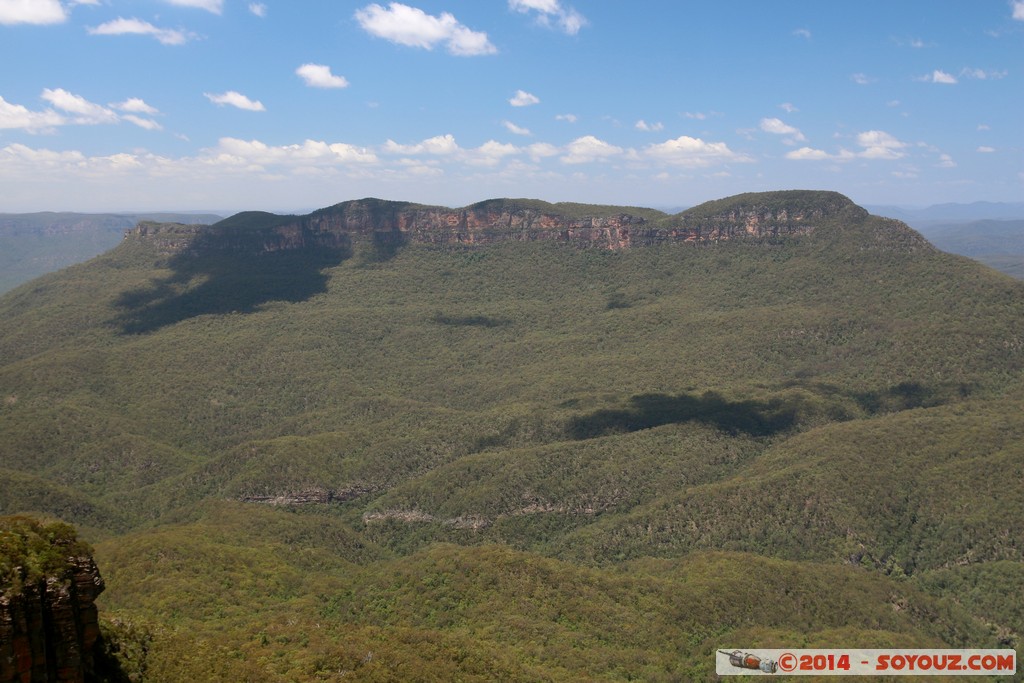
(563, 443)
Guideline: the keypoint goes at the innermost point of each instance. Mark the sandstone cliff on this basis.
(48, 620)
(757, 216)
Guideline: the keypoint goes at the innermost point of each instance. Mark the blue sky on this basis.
(118, 105)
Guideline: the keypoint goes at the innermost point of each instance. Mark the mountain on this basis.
(525, 441)
(999, 244)
(990, 232)
(392, 224)
(32, 244)
(952, 212)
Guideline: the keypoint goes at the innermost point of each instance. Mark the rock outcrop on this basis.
(311, 496)
(48, 619)
(756, 216)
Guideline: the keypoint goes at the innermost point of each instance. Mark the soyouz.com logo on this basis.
(890, 662)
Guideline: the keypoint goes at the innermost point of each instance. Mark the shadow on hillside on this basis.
(120, 653)
(893, 399)
(756, 418)
(384, 246)
(226, 273)
(470, 320)
(907, 395)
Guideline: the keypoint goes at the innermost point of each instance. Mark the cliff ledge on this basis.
(48, 619)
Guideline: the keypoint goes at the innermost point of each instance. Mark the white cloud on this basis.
(946, 161)
(803, 33)
(807, 153)
(778, 127)
(572, 21)
(19, 162)
(76, 111)
(523, 99)
(17, 116)
(1018, 10)
(541, 150)
(86, 112)
(467, 43)
(695, 115)
(984, 126)
(587, 149)
(135, 106)
(90, 113)
(788, 108)
(248, 153)
(258, 8)
(939, 76)
(982, 74)
(418, 169)
(513, 128)
(570, 118)
(551, 13)
(543, 6)
(649, 127)
(878, 144)
(231, 168)
(215, 6)
(235, 99)
(320, 76)
(694, 152)
(148, 124)
(490, 153)
(439, 144)
(39, 157)
(985, 149)
(861, 79)
(122, 26)
(31, 12)
(413, 27)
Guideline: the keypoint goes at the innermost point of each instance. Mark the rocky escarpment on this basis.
(309, 496)
(756, 216)
(48, 620)
(484, 223)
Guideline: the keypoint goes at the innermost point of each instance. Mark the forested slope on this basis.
(527, 459)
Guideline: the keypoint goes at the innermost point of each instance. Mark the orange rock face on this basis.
(49, 629)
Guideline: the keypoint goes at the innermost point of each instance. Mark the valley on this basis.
(524, 441)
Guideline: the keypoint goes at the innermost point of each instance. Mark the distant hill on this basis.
(979, 238)
(990, 232)
(999, 244)
(32, 244)
(525, 441)
(952, 212)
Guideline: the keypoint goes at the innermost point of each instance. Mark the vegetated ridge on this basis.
(764, 215)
